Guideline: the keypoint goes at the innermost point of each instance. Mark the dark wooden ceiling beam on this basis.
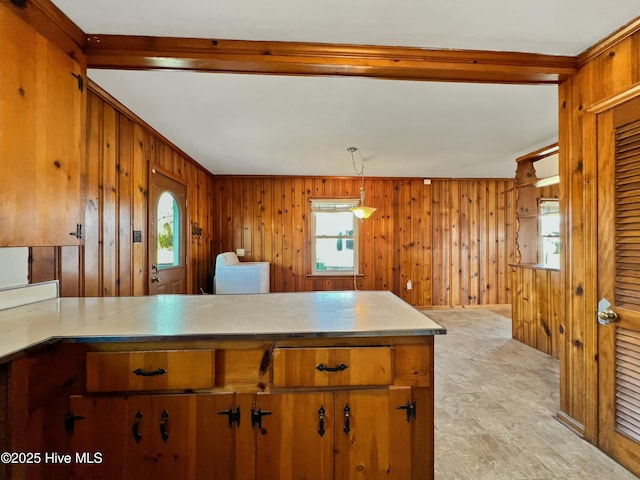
(316, 59)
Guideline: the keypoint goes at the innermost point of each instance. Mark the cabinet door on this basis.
(180, 436)
(40, 138)
(100, 429)
(154, 436)
(373, 436)
(296, 439)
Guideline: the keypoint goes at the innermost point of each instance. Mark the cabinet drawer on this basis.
(318, 367)
(150, 370)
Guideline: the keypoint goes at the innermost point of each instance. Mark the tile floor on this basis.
(494, 405)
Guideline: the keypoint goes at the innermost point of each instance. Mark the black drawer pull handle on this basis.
(145, 373)
(323, 368)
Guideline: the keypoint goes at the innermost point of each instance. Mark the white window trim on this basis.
(334, 205)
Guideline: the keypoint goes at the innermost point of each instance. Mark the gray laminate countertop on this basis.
(173, 317)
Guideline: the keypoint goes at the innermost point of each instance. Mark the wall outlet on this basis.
(409, 285)
(240, 252)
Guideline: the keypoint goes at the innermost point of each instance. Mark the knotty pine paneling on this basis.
(453, 239)
(537, 307)
(124, 150)
(40, 137)
(473, 241)
(615, 71)
(120, 151)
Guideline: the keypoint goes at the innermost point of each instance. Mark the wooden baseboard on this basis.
(569, 422)
(493, 306)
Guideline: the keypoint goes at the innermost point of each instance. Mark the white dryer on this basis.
(233, 276)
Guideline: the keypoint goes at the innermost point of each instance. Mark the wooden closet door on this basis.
(618, 136)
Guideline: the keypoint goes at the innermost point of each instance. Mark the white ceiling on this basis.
(253, 124)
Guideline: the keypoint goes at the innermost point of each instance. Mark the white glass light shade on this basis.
(363, 212)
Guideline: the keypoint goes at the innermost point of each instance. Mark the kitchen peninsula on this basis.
(313, 385)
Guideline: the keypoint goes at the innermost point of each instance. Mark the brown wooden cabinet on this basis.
(40, 138)
(230, 409)
(342, 435)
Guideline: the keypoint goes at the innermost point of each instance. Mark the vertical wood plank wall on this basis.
(453, 239)
(613, 71)
(537, 307)
(120, 152)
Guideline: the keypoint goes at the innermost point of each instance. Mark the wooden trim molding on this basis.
(539, 154)
(609, 42)
(318, 59)
(51, 23)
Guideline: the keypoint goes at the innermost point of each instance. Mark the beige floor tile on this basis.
(495, 402)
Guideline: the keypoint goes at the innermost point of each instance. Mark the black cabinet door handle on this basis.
(347, 419)
(321, 430)
(163, 426)
(137, 418)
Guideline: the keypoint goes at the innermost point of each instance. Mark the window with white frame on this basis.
(334, 241)
(549, 216)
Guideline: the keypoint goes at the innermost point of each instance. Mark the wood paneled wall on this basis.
(453, 239)
(120, 152)
(473, 240)
(537, 307)
(611, 70)
(41, 136)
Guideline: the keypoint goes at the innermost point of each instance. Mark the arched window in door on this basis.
(168, 231)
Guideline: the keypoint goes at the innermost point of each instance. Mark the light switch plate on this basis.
(240, 252)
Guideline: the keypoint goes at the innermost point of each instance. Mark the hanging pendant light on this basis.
(360, 211)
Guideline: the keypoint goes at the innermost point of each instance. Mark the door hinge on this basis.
(256, 418)
(70, 420)
(234, 416)
(80, 81)
(410, 407)
(78, 232)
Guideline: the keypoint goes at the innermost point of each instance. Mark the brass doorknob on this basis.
(605, 317)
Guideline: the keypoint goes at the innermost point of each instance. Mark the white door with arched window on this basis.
(167, 235)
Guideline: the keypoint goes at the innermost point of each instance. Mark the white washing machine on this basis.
(233, 276)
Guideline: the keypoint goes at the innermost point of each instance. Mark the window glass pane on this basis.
(550, 233)
(334, 254)
(551, 251)
(334, 242)
(168, 231)
(334, 224)
(550, 224)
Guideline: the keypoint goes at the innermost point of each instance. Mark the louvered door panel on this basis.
(618, 278)
(627, 219)
(628, 383)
